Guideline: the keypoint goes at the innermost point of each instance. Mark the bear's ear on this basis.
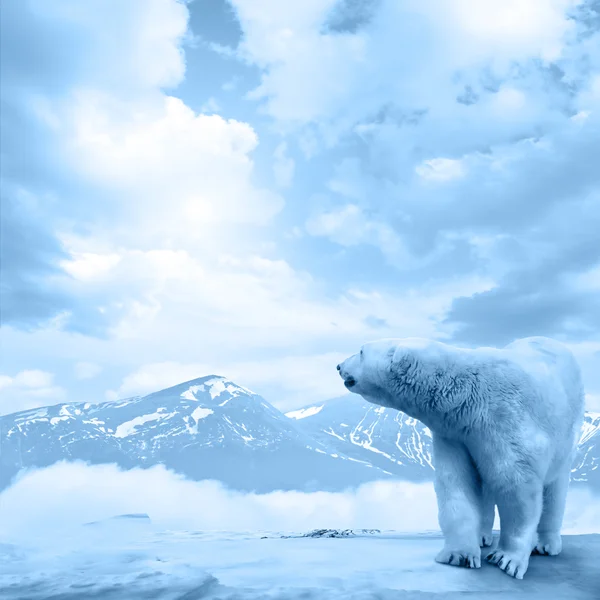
(401, 359)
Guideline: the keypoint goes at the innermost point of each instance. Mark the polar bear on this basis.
(505, 423)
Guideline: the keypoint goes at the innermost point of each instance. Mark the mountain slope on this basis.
(386, 438)
(586, 467)
(207, 428)
(402, 445)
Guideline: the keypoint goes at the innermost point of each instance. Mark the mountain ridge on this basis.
(211, 428)
(205, 428)
(403, 445)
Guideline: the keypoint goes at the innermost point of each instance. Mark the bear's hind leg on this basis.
(488, 512)
(555, 497)
(458, 491)
(520, 507)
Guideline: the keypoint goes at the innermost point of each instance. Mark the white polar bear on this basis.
(505, 423)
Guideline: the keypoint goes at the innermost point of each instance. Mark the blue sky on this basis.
(254, 188)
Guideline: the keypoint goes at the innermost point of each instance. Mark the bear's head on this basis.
(392, 372)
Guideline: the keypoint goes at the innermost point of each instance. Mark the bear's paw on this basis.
(511, 563)
(549, 544)
(469, 558)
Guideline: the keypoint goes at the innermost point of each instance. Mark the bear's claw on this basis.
(513, 565)
(459, 558)
(548, 545)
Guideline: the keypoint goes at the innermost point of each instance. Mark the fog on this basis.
(66, 495)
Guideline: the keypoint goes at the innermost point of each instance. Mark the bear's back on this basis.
(550, 364)
(557, 377)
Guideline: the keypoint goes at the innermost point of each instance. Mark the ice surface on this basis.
(124, 560)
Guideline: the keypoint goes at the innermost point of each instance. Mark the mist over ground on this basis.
(52, 500)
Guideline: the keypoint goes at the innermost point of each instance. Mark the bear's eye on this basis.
(361, 352)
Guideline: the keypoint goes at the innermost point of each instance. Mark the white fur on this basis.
(505, 424)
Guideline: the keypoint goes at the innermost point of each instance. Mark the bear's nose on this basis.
(339, 368)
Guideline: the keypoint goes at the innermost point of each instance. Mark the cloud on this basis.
(587, 353)
(28, 389)
(241, 297)
(65, 495)
(157, 376)
(48, 50)
(87, 370)
(440, 169)
(349, 226)
(160, 149)
(264, 323)
(31, 290)
(283, 166)
(455, 198)
(102, 157)
(472, 138)
(592, 402)
(334, 76)
(287, 382)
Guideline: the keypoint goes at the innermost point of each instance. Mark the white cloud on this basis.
(157, 376)
(172, 190)
(348, 225)
(283, 166)
(133, 46)
(587, 354)
(65, 495)
(28, 389)
(592, 402)
(87, 370)
(178, 171)
(511, 29)
(273, 312)
(441, 169)
(336, 79)
(287, 382)
(87, 266)
(68, 494)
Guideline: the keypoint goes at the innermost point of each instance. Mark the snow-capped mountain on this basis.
(208, 428)
(586, 468)
(211, 428)
(402, 445)
(386, 438)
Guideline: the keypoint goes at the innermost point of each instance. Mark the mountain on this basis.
(211, 428)
(386, 438)
(402, 445)
(586, 467)
(207, 428)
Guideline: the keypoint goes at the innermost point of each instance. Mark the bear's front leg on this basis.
(520, 507)
(458, 491)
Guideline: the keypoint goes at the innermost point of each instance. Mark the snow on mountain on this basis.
(386, 438)
(211, 428)
(208, 428)
(402, 445)
(586, 468)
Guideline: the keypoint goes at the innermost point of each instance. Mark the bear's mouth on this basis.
(350, 382)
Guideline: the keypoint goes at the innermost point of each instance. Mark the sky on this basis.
(254, 188)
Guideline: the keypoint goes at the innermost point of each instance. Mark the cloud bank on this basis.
(66, 495)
